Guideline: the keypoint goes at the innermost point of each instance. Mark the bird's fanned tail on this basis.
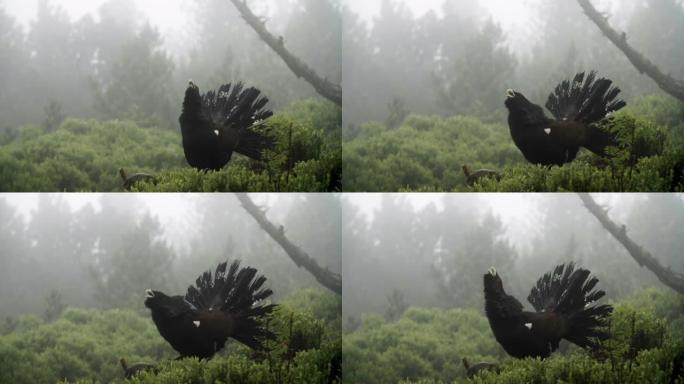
(236, 110)
(237, 293)
(570, 293)
(233, 106)
(584, 99)
(588, 102)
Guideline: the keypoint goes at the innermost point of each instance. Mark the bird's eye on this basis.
(149, 293)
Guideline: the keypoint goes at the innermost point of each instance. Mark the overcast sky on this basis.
(507, 12)
(170, 16)
(514, 209)
(171, 209)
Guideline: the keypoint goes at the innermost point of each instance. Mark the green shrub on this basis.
(427, 346)
(426, 154)
(84, 345)
(86, 155)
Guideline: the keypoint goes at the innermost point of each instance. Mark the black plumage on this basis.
(565, 308)
(218, 123)
(575, 106)
(229, 304)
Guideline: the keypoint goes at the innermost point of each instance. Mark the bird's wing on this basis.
(178, 306)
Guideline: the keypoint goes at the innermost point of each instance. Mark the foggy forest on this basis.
(413, 299)
(341, 191)
(424, 91)
(85, 96)
(74, 270)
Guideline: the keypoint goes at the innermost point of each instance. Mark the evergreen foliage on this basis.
(84, 346)
(85, 155)
(426, 154)
(426, 345)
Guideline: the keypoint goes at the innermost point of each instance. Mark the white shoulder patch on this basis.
(547, 130)
(528, 325)
(197, 323)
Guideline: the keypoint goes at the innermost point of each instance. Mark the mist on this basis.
(103, 251)
(432, 250)
(459, 57)
(129, 59)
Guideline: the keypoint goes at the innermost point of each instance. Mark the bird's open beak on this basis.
(492, 271)
(149, 294)
(510, 93)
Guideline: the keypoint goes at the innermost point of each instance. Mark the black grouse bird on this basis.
(575, 106)
(563, 300)
(227, 305)
(216, 124)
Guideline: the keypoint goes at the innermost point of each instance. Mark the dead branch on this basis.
(325, 277)
(668, 84)
(325, 88)
(667, 276)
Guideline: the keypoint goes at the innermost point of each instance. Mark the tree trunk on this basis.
(667, 276)
(668, 84)
(325, 88)
(325, 277)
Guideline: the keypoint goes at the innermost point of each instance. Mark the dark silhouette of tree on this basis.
(327, 278)
(666, 82)
(666, 275)
(323, 86)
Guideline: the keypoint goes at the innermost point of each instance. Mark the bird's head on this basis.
(192, 95)
(492, 282)
(155, 299)
(521, 109)
(515, 99)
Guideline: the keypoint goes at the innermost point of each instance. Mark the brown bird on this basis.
(132, 370)
(474, 369)
(130, 180)
(473, 177)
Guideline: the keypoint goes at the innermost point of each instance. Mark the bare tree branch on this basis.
(325, 277)
(325, 88)
(668, 84)
(667, 276)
